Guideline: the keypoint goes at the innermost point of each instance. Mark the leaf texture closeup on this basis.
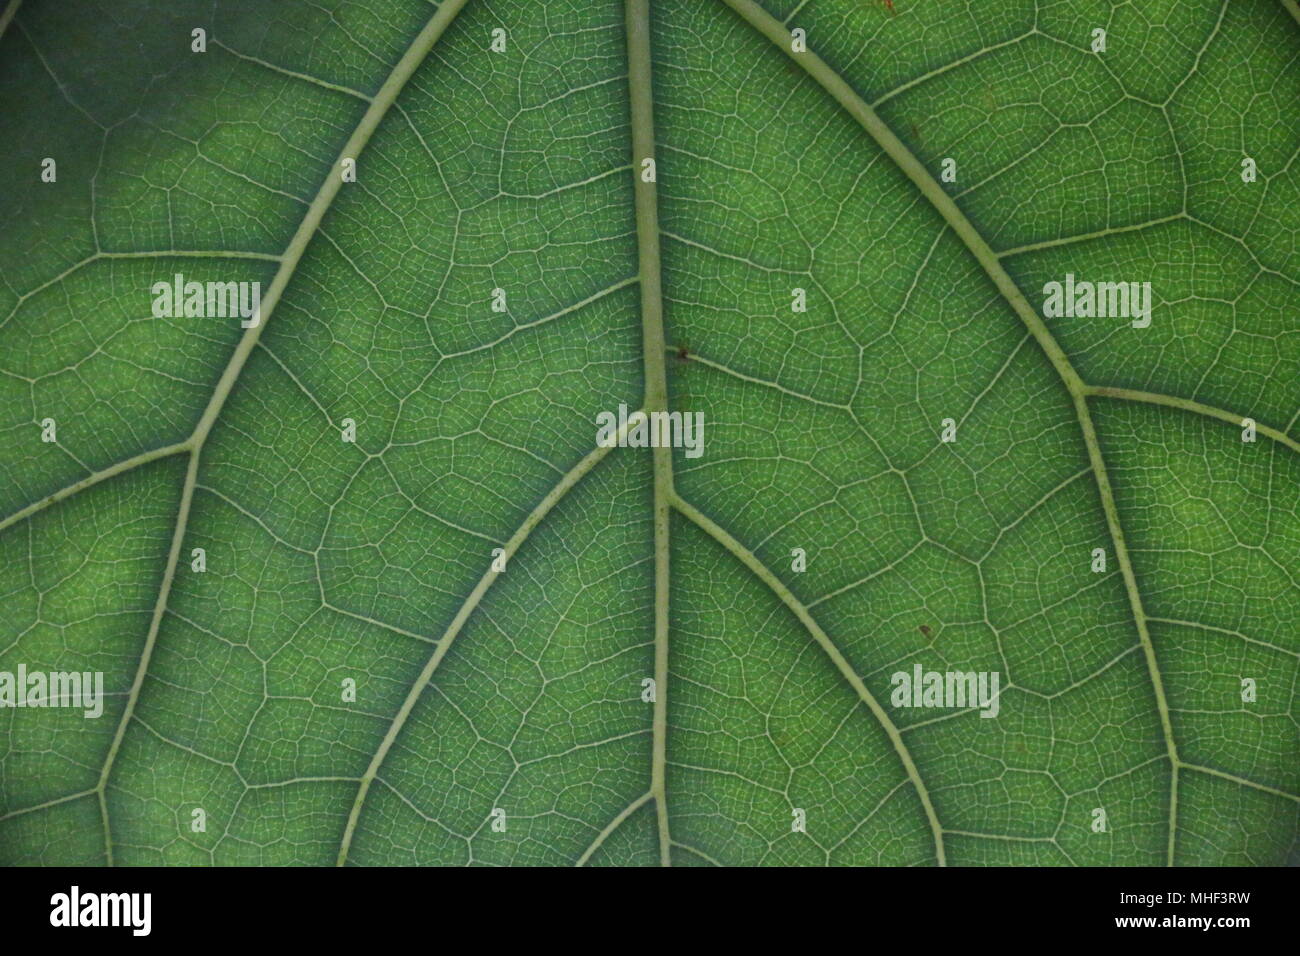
(566, 652)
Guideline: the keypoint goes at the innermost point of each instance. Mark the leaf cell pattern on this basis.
(500, 145)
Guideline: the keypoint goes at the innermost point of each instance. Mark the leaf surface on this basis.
(500, 715)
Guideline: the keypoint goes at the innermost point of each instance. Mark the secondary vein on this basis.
(834, 84)
(1187, 405)
(823, 640)
(534, 518)
(378, 108)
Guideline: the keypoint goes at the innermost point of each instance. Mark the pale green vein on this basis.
(1293, 8)
(150, 642)
(8, 15)
(1242, 781)
(402, 72)
(377, 623)
(188, 254)
(93, 479)
(885, 569)
(306, 77)
(1187, 405)
(578, 184)
(379, 107)
(795, 12)
(1087, 236)
(867, 819)
(751, 561)
(1027, 512)
(147, 254)
(855, 106)
(546, 319)
(925, 77)
(49, 71)
(726, 370)
(1135, 602)
(700, 853)
(534, 518)
(1223, 630)
(46, 805)
(1010, 838)
(613, 825)
(641, 98)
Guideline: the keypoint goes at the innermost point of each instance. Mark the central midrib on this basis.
(641, 105)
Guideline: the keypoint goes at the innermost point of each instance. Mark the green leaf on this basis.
(504, 716)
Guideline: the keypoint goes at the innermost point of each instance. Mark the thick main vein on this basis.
(907, 162)
(641, 98)
(378, 108)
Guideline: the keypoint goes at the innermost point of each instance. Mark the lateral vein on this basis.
(839, 89)
(306, 77)
(93, 479)
(402, 72)
(778, 587)
(613, 825)
(1187, 405)
(535, 517)
(1242, 781)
